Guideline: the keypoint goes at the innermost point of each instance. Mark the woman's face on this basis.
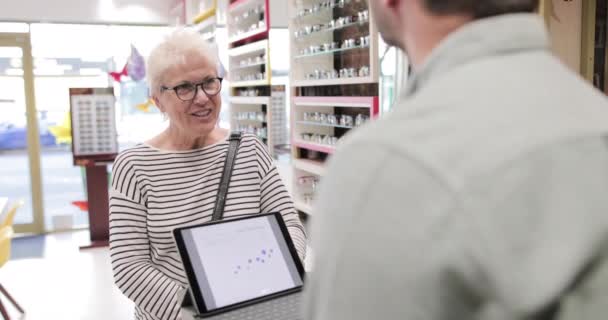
(198, 115)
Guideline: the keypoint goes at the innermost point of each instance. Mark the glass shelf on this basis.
(359, 23)
(330, 52)
(312, 14)
(242, 20)
(322, 9)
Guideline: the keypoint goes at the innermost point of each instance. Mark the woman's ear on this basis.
(158, 104)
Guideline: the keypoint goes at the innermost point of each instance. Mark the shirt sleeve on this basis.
(134, 273)
(275, 198)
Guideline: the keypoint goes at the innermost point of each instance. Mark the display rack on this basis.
(94, 147)
(255, 106)
(202, 15)
(247, 21)
(334, 79)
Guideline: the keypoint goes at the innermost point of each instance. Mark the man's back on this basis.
(480, 196)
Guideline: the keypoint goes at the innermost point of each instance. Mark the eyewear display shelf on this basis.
(255, 106)
(334, 83)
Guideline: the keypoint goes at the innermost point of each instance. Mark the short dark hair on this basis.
(481, 8)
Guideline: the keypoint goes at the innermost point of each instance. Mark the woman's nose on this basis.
(201, 96)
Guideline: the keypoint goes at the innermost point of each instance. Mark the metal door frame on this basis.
(22, 40)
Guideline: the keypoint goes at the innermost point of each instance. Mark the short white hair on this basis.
(172, 51)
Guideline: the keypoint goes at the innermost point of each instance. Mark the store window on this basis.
(14, 27)
(72, 55)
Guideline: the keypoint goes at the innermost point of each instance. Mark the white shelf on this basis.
(250, 100)
(209, 37)
(239, 67)
(328, 82)
(246, 35)
(249, 120)
(312, 166)
(346, 102)
(314, 146)
(252, 83)
(304, 207)
(205, 24)
(320, 53)
(258, 46)
(329, 105)
(319, 124)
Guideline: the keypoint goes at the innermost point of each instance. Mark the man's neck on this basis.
(425, 32)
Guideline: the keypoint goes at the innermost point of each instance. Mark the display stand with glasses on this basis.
(334, 78)
(94, 146)
(256, 106)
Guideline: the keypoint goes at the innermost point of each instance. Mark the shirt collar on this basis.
(482, 38)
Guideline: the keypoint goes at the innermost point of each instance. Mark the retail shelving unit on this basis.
(255, 106)
(202, 15)
(334, 79)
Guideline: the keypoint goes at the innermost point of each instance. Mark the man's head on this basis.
(400, 21)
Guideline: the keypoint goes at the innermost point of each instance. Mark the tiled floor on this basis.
(65, 283)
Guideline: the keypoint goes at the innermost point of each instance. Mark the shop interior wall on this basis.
(564, 19)
(153, 12)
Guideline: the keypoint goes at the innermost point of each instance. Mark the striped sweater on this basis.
(155, 191)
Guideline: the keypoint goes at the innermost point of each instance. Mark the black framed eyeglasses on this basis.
(187, 91)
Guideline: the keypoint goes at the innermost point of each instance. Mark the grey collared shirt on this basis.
(479, 197)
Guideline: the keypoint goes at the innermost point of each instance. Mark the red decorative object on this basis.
(117, 76)
(82, 205)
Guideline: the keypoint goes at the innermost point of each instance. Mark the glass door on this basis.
(19, 132)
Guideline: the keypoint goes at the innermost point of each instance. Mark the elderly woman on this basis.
(172, 180)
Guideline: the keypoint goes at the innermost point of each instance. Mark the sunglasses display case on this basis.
(334, 79)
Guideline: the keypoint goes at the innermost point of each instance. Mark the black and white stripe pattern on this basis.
(154, 191)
